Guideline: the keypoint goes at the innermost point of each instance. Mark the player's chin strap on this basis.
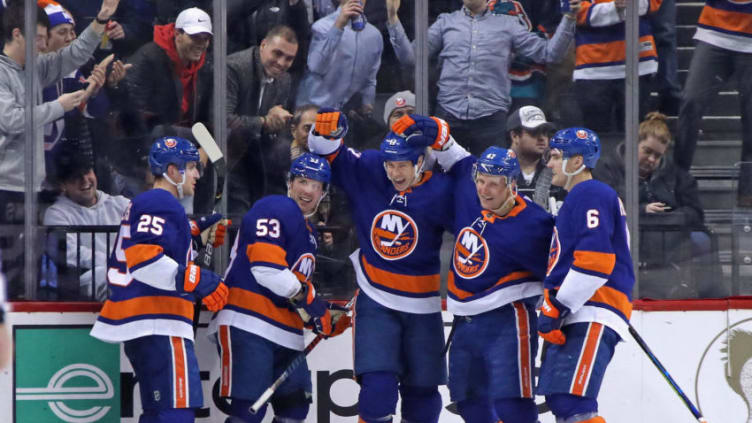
(178, 186)
(570, 175)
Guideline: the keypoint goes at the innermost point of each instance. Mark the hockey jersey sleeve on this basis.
(593, 222)
(269, 227)
(604, 13)
(151, 242)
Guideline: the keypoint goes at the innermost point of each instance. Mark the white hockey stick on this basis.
(297, 361)
(206, 141)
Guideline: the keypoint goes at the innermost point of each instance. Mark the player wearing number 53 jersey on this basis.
(260, 330)
(400, 213)
(587, 292)
(153, 285)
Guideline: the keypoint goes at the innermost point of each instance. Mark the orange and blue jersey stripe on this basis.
(726, 24)
(601, 50)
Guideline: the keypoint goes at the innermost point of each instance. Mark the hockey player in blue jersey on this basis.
(498, 266)
(400, 213)
(588, 289)
(153, 284)
(260, 329)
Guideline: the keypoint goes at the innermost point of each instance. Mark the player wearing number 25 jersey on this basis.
(587, 292)
(153, 285)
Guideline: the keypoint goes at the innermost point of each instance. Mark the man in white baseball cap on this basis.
(528, 132)
(194, 21)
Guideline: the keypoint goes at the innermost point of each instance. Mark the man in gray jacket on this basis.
(258, 104)
(50, 68)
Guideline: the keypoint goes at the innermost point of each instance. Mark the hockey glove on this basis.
(204, 283)
(340, 319)
(314, 310)
(211, 229)
(330, 123)
(424, 131)
(552, 314)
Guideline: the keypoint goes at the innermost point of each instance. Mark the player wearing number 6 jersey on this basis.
(153, 285)
(260, 330)
(588, 289)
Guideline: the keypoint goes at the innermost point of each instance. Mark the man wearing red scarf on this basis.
(169, 88)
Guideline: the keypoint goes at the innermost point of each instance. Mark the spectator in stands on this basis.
(258, 100)
(528, 78)
(128, 29)
(664, 189)
(400, 104)
(169, 82)
(723, 49)
(169, 90)
(342, 63)
(249, 27)
(666, 81)
(476, 47)
(49, 68)
(300, 125)
(599, 69)
(369, 135)
(528, 133)
(72, 128)
(82, 204)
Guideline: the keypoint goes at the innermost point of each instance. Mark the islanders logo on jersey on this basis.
(394, 234)
(304, 267)
(470, 255)
(553, 252)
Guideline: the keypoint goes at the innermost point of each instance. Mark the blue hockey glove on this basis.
(314, 310)
(330, 123)
(552, 314)
(423, 131)
(204, 283)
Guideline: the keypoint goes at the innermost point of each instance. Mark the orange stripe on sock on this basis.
(587, 359)
(226, 375)
(181, 384)
(523, 351)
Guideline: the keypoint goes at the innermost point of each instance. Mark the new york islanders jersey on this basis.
(589, 261)
(600, 45)
(400, 233)
(273, 234)
(154, 239)
(726, 24)
(496, 260)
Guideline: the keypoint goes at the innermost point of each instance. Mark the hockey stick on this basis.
(449, 338)
(666, 375)
(206, 141)
(297, 361)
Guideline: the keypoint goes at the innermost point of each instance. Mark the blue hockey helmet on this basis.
(171, 150)
(498, 161)
(311, 166)
(395, 148)
(578, 141)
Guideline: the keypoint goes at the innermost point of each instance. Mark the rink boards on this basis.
(59, 373)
